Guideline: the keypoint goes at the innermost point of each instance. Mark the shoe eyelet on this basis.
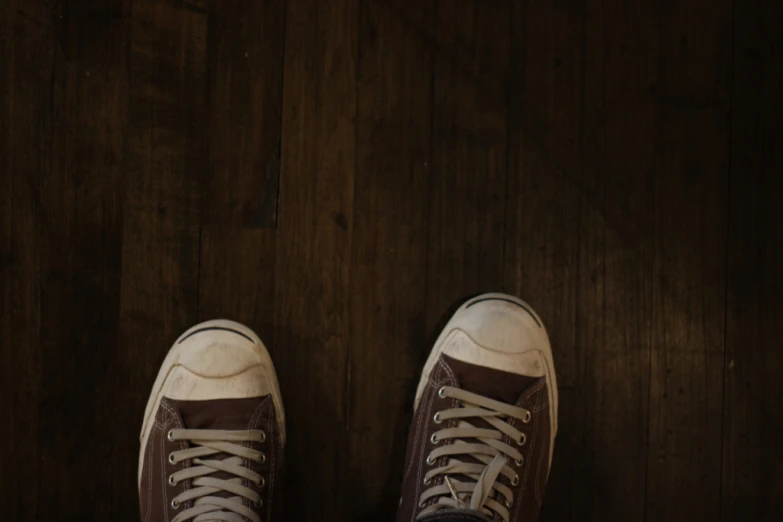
(263, 437)
(519, 462)
(422, 503)
(262, 458)
(260, 502)
(261, 482)
(436, 418)
(515, 480)
(171, 481)
(170, 435)
(434, 439)
(171, 458)
(442, 392)
(430, 460)
(527, 417)
(426, 481)
(521, 440)
(174, 504)
(507, 503)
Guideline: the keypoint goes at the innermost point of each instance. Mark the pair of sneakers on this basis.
(479, 449)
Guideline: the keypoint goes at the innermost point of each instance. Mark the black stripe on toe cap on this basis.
(508, 301)
(191, 334)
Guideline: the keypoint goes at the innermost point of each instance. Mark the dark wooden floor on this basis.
(338, 175)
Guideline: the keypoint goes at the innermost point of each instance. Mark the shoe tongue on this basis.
(218, 414)
(495, 384)
(455, 515)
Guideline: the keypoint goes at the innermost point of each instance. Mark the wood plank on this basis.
(27, 45)
(7, 243)
(246, 46)
(468, 171)
(237, 278)
(315, 225)
(542, 225)
(389, 260)
(542, 201)
(239, 200)
(164, 161)
(686, 386)
(686, 378)
(752, 448)
(615, 267)
(79, 234)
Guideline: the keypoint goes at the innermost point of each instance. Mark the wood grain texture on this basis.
(691, 194)
(468, 174)
(246, 46)
(28, 58)
(239, 190)
(312, 315)
(164, 161)
(689, 296)
(615, 266)
(7, 407)
(80, 232)
(339, 175)
(389, 255)
(752, 431)
(541, 234)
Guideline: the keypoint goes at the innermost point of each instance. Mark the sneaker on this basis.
(214, 430)
(485, 418)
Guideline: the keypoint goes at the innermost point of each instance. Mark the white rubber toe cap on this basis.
(501, 332)
(217, 359)
(497, 332)
(220, 365)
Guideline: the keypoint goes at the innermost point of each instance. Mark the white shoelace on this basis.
(483, 491)
(211, 442)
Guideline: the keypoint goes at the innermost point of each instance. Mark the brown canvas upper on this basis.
(155, 493)
(526, 392)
